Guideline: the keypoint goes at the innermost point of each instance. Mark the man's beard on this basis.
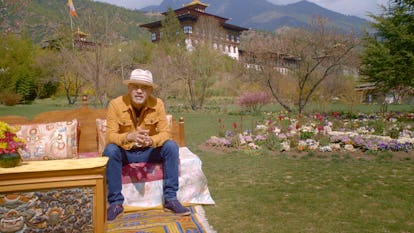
(139, 100)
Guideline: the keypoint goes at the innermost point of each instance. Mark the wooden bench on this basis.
(142, 183)
(49, 196)
(88, 141)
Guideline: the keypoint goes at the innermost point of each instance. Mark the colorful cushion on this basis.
(145, 190)
(55, 140)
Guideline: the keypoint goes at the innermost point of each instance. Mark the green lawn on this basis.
(262, 192)
(268, 192)
(256, 193)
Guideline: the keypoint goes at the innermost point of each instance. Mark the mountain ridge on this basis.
(263, 15)
(46, 20)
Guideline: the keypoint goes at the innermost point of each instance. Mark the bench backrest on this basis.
(88, 141)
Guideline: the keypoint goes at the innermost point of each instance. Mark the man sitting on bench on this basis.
(137, 131)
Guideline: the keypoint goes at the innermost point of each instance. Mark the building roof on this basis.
(189, 12)
(196, 2)
(80, 33)
(155, 24)
(234, 27)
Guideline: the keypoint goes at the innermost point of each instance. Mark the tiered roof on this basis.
(192, 11)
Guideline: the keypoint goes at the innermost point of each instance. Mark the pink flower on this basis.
(320, 128)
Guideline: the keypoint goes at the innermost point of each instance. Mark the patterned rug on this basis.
(159, 221)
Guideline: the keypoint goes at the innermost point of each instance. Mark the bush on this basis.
(10, 99)
(254, 101)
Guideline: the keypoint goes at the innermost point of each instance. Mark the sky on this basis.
(348, 7)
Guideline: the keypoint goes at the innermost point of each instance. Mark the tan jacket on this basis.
(121, 119)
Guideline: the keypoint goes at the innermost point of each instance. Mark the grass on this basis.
(30, 110)
(269, 192)
(264, 193)
(261, 192)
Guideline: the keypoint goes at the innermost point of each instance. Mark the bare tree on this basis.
(207, 30)
(98, 70)
(308, 56)
(69, 74)
(188, 74)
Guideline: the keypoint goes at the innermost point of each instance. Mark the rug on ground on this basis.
(159, 221)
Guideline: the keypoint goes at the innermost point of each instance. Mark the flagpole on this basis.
(72, 13)
(71, 30)
(71, 22)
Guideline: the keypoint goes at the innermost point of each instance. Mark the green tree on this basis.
(205, 63)
(16, 71)
(44, 69)
(172, 35)
(388, 54)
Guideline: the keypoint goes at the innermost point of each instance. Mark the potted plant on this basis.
(10, 145)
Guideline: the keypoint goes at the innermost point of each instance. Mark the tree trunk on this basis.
(286, 107)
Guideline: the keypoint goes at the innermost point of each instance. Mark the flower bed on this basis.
(326, 132)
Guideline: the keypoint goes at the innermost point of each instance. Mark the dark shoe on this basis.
(114, 210)
(176, 207)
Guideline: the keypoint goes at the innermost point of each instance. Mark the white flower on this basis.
(335, 146)
(276, 130)
(285, 146)
(312, 144)
(325, 149)
(302, 143)
(327, 129)
(340, 133)
(349, 147)
(362, 130)
(306, 129)
(253, 146)
(241, 139)
(405, 140)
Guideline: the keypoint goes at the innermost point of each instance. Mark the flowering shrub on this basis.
(254, 101)
(325, 132)
(9, 142)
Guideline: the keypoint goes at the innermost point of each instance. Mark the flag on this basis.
(72, 8)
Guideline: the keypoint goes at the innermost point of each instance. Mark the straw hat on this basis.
(139, 76)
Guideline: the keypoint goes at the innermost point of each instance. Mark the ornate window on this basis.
(188, 29)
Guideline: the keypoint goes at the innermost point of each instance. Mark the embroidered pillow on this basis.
(48, 141)
(169, 120)
(101, 131)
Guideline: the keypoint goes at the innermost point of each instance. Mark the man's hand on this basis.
(140, 137)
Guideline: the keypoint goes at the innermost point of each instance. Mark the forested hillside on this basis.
(44, 20)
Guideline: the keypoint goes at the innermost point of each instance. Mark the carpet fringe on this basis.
(201, 216)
